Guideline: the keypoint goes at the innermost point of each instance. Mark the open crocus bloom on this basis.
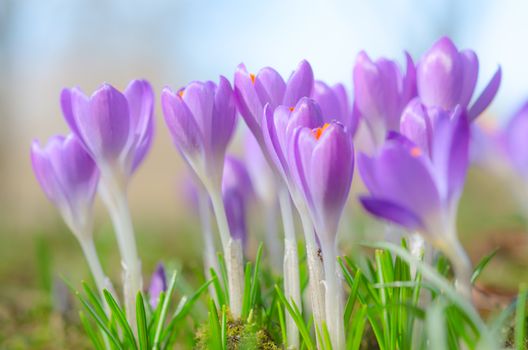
(418, 185)
(446, 77)
(254, 91)
(115, 128)
(381, 91)
(68, 176)
(201, 118)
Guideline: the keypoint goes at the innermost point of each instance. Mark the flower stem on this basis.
(233, 255)
(462, 267)
(114, 197)
(333, 296)
(292, 289)
(272, 236)
(90, 253)
(210, 259)
(315, 272)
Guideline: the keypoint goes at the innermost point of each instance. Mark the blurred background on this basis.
(48, 45)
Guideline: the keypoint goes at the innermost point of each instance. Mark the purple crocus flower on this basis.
(417, 185)
(68, 176)
(201, 118)
(515, 141)
(322, 163)
(158, 284)
(237, 191)
(446, 77)
(115, 128)
(254, 91)
(334, 104)
(381, 91)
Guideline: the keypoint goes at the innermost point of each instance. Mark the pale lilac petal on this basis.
(470, 65)
(392, 212)
(300, 84)
(235, 208)
(273, 129)
(224, 117)
(199, 98)
(487, 95)
(306, 113)
(415, 124)
(247, 101)
(516, 140)
(270, 87)
(158, 284)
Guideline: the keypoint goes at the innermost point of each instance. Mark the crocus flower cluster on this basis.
(300, 151)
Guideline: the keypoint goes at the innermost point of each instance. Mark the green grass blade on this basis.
(482, 264)
(215, 334)
(120, 318)
(141, 318)
(96, 341)
(163, 312)
(102, 325)
(436, 326)
(247, 291)
(221, 293)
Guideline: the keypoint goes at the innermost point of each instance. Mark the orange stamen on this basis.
(416, 152)
(291, 109)
(180, 93)
(252, 76)
(318, 132)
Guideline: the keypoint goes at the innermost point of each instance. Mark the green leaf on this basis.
(90, 331)
(100, 322)
(120, 318)
(220, 291)
(482, 264)
(297, 317)
(215, 334)
(163, 312)
(141, 319)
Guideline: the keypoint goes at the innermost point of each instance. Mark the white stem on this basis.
(114, 197)
(333, 297)
(233, 255)
(292, 288)
(90, 253)
(462, 267)
(210, 259)
(315, 271)
(272, 238)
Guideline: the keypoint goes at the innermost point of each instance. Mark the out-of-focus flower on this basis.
(420, 188)
(259, 171)
(446, 77)
(334, 104)
(68, 176)
(158, 284)
(254, 91)
(322, 164)
(201, 118)
(237, 190)
(381, 91)
(515, 141)
(115, 128)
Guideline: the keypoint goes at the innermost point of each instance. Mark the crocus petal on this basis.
(516, 141)
(331, 170)
(106, 131)
(270, 86)
(392, 212)
(199, 97)
(409, 81)
(184, 130)
(415, 124)
(332, 101)
(306, 113)
(140, 97)
(235, 208)
(247, 100)
(236, 176)
(470, 65)
(273, 129)
(440, 75)
(300, 84)
(224, 119)
(487, 95)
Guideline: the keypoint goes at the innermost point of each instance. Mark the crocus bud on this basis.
(237, 191)
(68, 176)
(115, 128)
(446, 77)
(381, 91)
(333, 101)
(322, 164)
(158, 284)
(201, 119)
(254, 91)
